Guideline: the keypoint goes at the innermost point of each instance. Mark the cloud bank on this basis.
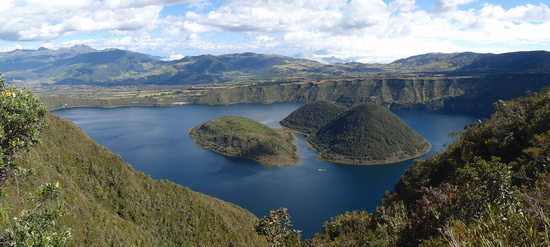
(356, 30)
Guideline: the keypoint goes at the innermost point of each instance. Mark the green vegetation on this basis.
(311, 117)
(365, 134)
(82, 65)
(276, 227)
(35, 222)
(471, 94)
(437, 61)
(246, 138)
(465, 82)
(490, 187)
(108, 203)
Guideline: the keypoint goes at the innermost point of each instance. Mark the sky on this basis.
(322, 30)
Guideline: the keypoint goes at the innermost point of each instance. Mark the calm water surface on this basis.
(155, 140)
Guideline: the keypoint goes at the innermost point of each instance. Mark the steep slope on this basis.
(490, 187)
(368, 134)
(246, 138)
(311, 117)
(110, 204)
(471, 94)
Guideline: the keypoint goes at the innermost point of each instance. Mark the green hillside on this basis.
(437, 61)
(110, 204)
(524, 61)
(82, 65)
(368, 134)
(246, 138)
(311, 117)
(491, 187)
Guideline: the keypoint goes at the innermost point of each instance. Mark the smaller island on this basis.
(246, 138)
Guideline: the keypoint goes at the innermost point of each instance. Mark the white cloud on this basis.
(264, 38)
(175, 26)
(361, 30)
(5, 5)
(522, 13)
(174, 56)
(362, 14)
(45, 20)
(371, 30)
(449, 5)
(403, 5)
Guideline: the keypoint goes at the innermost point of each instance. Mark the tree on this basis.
(276, 227)
(22, 117)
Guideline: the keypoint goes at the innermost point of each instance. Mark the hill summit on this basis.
(368, 134)
(313, 116)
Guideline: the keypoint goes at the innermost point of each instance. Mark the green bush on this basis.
(491, 187)
(276, 227)
(22, 117)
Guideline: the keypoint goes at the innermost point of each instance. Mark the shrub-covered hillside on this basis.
(311, 117)
(368, 134)
(247, 138)
(491, 187)
(110, 204)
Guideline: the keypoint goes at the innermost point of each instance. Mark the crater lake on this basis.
(156, 141)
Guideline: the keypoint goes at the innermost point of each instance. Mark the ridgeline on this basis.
(313, 116)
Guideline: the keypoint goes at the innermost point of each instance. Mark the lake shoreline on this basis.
(237, 144)
(338, 162)
(155, 141)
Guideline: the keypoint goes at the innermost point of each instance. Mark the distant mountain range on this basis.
(83, 65)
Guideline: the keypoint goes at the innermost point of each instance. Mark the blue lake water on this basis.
(155, 140)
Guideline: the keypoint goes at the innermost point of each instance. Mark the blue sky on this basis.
(348, 30)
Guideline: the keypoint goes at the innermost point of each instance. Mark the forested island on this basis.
(311, 117)
(246, 138)
(365, 134)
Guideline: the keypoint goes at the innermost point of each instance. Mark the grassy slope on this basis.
(244, 137)
(110, 204)
(518, 134)
(368, 134)
(313, 116)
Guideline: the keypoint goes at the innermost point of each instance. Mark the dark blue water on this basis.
(155, 140)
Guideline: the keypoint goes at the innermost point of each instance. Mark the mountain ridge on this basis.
(89, 66)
